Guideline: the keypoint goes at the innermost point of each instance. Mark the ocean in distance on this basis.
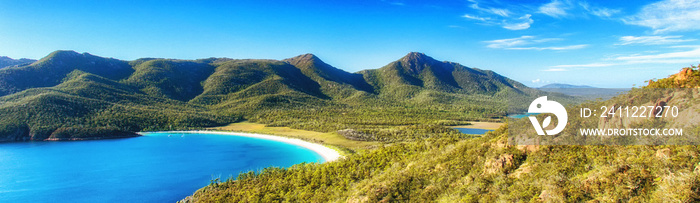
(157, 167)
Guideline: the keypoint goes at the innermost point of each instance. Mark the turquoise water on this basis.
(152, 168)
(473, 131)
(522, 115)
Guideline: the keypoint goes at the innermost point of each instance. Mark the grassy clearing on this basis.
(338, 142)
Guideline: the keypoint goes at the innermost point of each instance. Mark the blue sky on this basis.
(599, 43)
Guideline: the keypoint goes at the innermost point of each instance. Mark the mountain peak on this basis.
(303, 57)
(307, 59)
(417, 57)
(415, 62)
(64, 53)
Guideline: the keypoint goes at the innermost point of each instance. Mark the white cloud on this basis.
(521, 43)
(519, 24)
(496, 11)
(512, 42)
(694, 54)
(585, 65)
(604, 12)
(494, 14)
(500, 12)
(570, 8)
(519, 17)
(555, 9)
(570, 47)
(677, 57)
(536, 81)
(476, 17)
(601, 12)
(652, 40)
(668, 16)
(555, 70)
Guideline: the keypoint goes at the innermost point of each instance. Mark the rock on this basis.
(663, 153)
(549, 195)
(661, 103)
(521, 171)
(500, 164)
(528, 148)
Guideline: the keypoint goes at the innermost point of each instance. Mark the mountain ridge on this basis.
(9, 62)
(80, 89)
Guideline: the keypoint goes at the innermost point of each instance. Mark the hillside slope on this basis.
(485, 169)
(67, 89)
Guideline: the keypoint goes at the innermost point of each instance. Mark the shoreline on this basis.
(326, 153)
(89, 138)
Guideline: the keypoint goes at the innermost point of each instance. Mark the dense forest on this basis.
(69, 90)
(450, 168)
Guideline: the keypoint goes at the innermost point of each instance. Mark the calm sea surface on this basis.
(158, 167)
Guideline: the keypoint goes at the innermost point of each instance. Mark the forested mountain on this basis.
(67, 89)
(7, 61)
(416, 72)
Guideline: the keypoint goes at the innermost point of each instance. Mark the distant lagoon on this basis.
(522, 115)
(157, 167)
(473, 131)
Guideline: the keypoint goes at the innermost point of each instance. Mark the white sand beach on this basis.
(328, 154)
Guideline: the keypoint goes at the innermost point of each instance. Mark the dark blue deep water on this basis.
(151, 168)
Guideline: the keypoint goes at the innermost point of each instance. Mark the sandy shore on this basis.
(328, 154)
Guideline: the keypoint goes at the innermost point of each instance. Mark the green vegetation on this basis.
(484, 169)
(71, 90)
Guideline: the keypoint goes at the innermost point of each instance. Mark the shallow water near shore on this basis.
(157, 167)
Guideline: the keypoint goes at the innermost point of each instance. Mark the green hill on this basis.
(52, 69)
(7, 61)
(67, 89)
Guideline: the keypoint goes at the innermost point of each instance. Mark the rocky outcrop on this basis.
(500, 164)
